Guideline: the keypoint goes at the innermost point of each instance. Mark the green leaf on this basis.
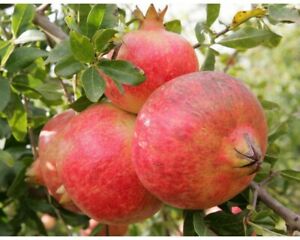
(93, 84)
(199, 224)
(102, 37)
(7, 158)
(22, 57)
(212, 13)
(51, 90)
(122, 71)
(263, 231)
(16, 189)
(226, 224)
(6, 54)
(210, 59)
(95, 18)
(4, 129)
(17, 117)
(188, 223)
(281, 129)
(291, 175)
(59, 52)
(67, 67)
(247, 37)
(97, 229)
(269, 105)
(173, 26)
(30, 36)
(4, 93)
(283, 13)
(81, 47)
(200, 30)
(111, 16)
(71, 23)
(80, 104)
(73, 219)
(22, 16)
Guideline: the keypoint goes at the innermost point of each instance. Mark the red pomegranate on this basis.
(48, 162)
(161, 54)
(199, 140)
(94, 161)
(106, 230)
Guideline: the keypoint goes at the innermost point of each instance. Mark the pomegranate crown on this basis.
(151, 14)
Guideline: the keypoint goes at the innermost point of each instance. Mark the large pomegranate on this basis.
(47, 163)
(199, 140)
(94, 161)
(162, 55)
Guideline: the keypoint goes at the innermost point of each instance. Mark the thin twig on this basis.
(66, 92)
(291, 218)
(227, 29)
(30, 131)
(116, 51)
(51, 29)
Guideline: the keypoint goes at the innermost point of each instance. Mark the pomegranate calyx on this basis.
(253, 155)
(151, 15)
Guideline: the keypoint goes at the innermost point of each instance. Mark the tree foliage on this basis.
(46, 68)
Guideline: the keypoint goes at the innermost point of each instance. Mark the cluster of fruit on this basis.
(197, 140)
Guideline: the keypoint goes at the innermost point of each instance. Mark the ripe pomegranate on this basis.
(94, 161)
(48, 163)
(113, 230)
(162, 55)
(199, 140)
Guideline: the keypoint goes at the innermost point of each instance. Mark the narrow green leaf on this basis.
(5, 131)
(291, 175)
(71, 23)
(67, 67)
(102, 37)
(60, 51)
(209, 62)
(173, 26)
(200, 30)
(51, 90)
(97, 229)
(22, 57)
(17, 187)
(212, 13)
(122, 71)
(22, 16)
(93, 84)
(31, 35)
(247, 37)
(262, 231)
(8, 51)
(7, 158)
(4, 93)
(199, 224)
(278, 132)
(81, 47)
(80, 104)
(188, 223)
(269, 105)
(95, 18)
(16, 117)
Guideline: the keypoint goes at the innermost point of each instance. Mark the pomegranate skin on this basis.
(199, 139)
(162, 56)
(95, 165)
(47, 162)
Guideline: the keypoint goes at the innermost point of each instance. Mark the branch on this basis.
(30, 131)
(52, 30)
(291, 219)
(66, 92)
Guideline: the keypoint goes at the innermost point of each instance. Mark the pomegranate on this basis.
(48, 221)
(94, 161)
(106, 230)
(162, 55)
(48, 162)
(199, 140)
